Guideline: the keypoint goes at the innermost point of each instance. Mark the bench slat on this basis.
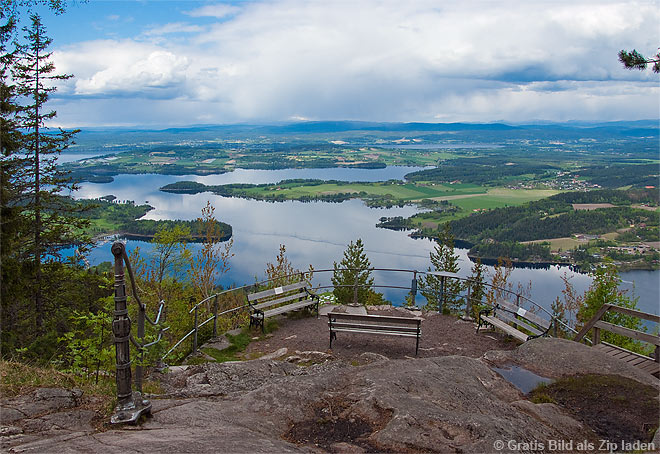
(521, 323)
(355, 330)
(402, 329)
(288, 308)
(374, 324)
(276, 291)
(281, 300)
(366, 318)
(506, 328)
(532, 317)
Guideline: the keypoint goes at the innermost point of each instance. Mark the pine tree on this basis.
(38, 181)
(635, 60)
(477, 286)
(352, 276)
(443, 258)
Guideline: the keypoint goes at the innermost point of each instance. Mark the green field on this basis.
(300, 190)
(502, 197)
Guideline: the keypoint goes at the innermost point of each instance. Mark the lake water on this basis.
(317, 233)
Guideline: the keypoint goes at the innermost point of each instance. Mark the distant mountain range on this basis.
(319, 127)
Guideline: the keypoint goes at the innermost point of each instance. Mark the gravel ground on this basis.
(442, 335)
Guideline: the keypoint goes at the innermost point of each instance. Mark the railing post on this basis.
(413, 288)
(129, 405)
(596, 335)
(355, 288)
(215, 316)
(468, 304)
(442, 295)
(195, 334)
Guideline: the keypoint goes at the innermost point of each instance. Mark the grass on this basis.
(238, 344)
(502, 197)
(403, 192)
(19, 378)
(614, 407)
(565, 243)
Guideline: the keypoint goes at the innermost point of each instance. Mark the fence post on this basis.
(215, 316)
(355, 292)
(130, 405)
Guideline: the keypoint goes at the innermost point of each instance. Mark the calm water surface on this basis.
(317, 233)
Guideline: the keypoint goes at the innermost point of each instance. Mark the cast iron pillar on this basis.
(130, 405)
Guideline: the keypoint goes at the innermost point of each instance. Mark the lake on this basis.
(317, 233)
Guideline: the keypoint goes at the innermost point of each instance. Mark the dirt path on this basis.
(442, 335)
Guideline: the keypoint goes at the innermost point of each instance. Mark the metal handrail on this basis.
(302, 275)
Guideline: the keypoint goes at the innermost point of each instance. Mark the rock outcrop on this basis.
(442, 404)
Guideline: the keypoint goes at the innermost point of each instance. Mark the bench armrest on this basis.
(311, 294)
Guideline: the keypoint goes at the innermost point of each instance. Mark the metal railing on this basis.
(442, 296)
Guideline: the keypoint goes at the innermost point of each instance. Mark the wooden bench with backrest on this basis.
(280, 300)
(503, 314)
(374, 324)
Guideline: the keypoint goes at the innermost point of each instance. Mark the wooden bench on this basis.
(280, 300)
(374, 324)
(504, 313)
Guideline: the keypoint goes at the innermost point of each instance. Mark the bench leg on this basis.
(333, 335)
(417, 346)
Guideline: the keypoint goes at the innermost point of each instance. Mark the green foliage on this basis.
(66, 288)
(211, 260)
(352, 276)
(554, 217)
(635, 60)
(88, 345)
(513, 250)
(605, 290)
(443, 258)
(476, 287)
(283, 273)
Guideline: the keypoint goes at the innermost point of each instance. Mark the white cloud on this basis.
(218, 11)
(383, 60)
(174, 27)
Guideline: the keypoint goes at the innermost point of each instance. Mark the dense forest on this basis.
(616, 176)
(555, 217)
(480, 170)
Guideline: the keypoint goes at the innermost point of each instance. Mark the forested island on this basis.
(108, 216)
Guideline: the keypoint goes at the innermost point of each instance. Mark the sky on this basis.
(175, 63)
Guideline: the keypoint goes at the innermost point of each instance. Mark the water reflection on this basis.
(317, 233)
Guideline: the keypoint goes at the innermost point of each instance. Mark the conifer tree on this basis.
(443, 258)
(477, 286)
(38, 181)
(352, 276)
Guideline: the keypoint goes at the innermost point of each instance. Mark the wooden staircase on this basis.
(646, 363)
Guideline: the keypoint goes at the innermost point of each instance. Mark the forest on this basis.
(555, 217)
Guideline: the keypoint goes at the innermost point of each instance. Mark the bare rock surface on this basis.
(556, 358)
(438, 404)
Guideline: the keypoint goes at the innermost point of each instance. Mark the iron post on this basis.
(130, 405)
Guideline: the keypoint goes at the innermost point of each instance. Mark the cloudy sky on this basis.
(162, 63)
